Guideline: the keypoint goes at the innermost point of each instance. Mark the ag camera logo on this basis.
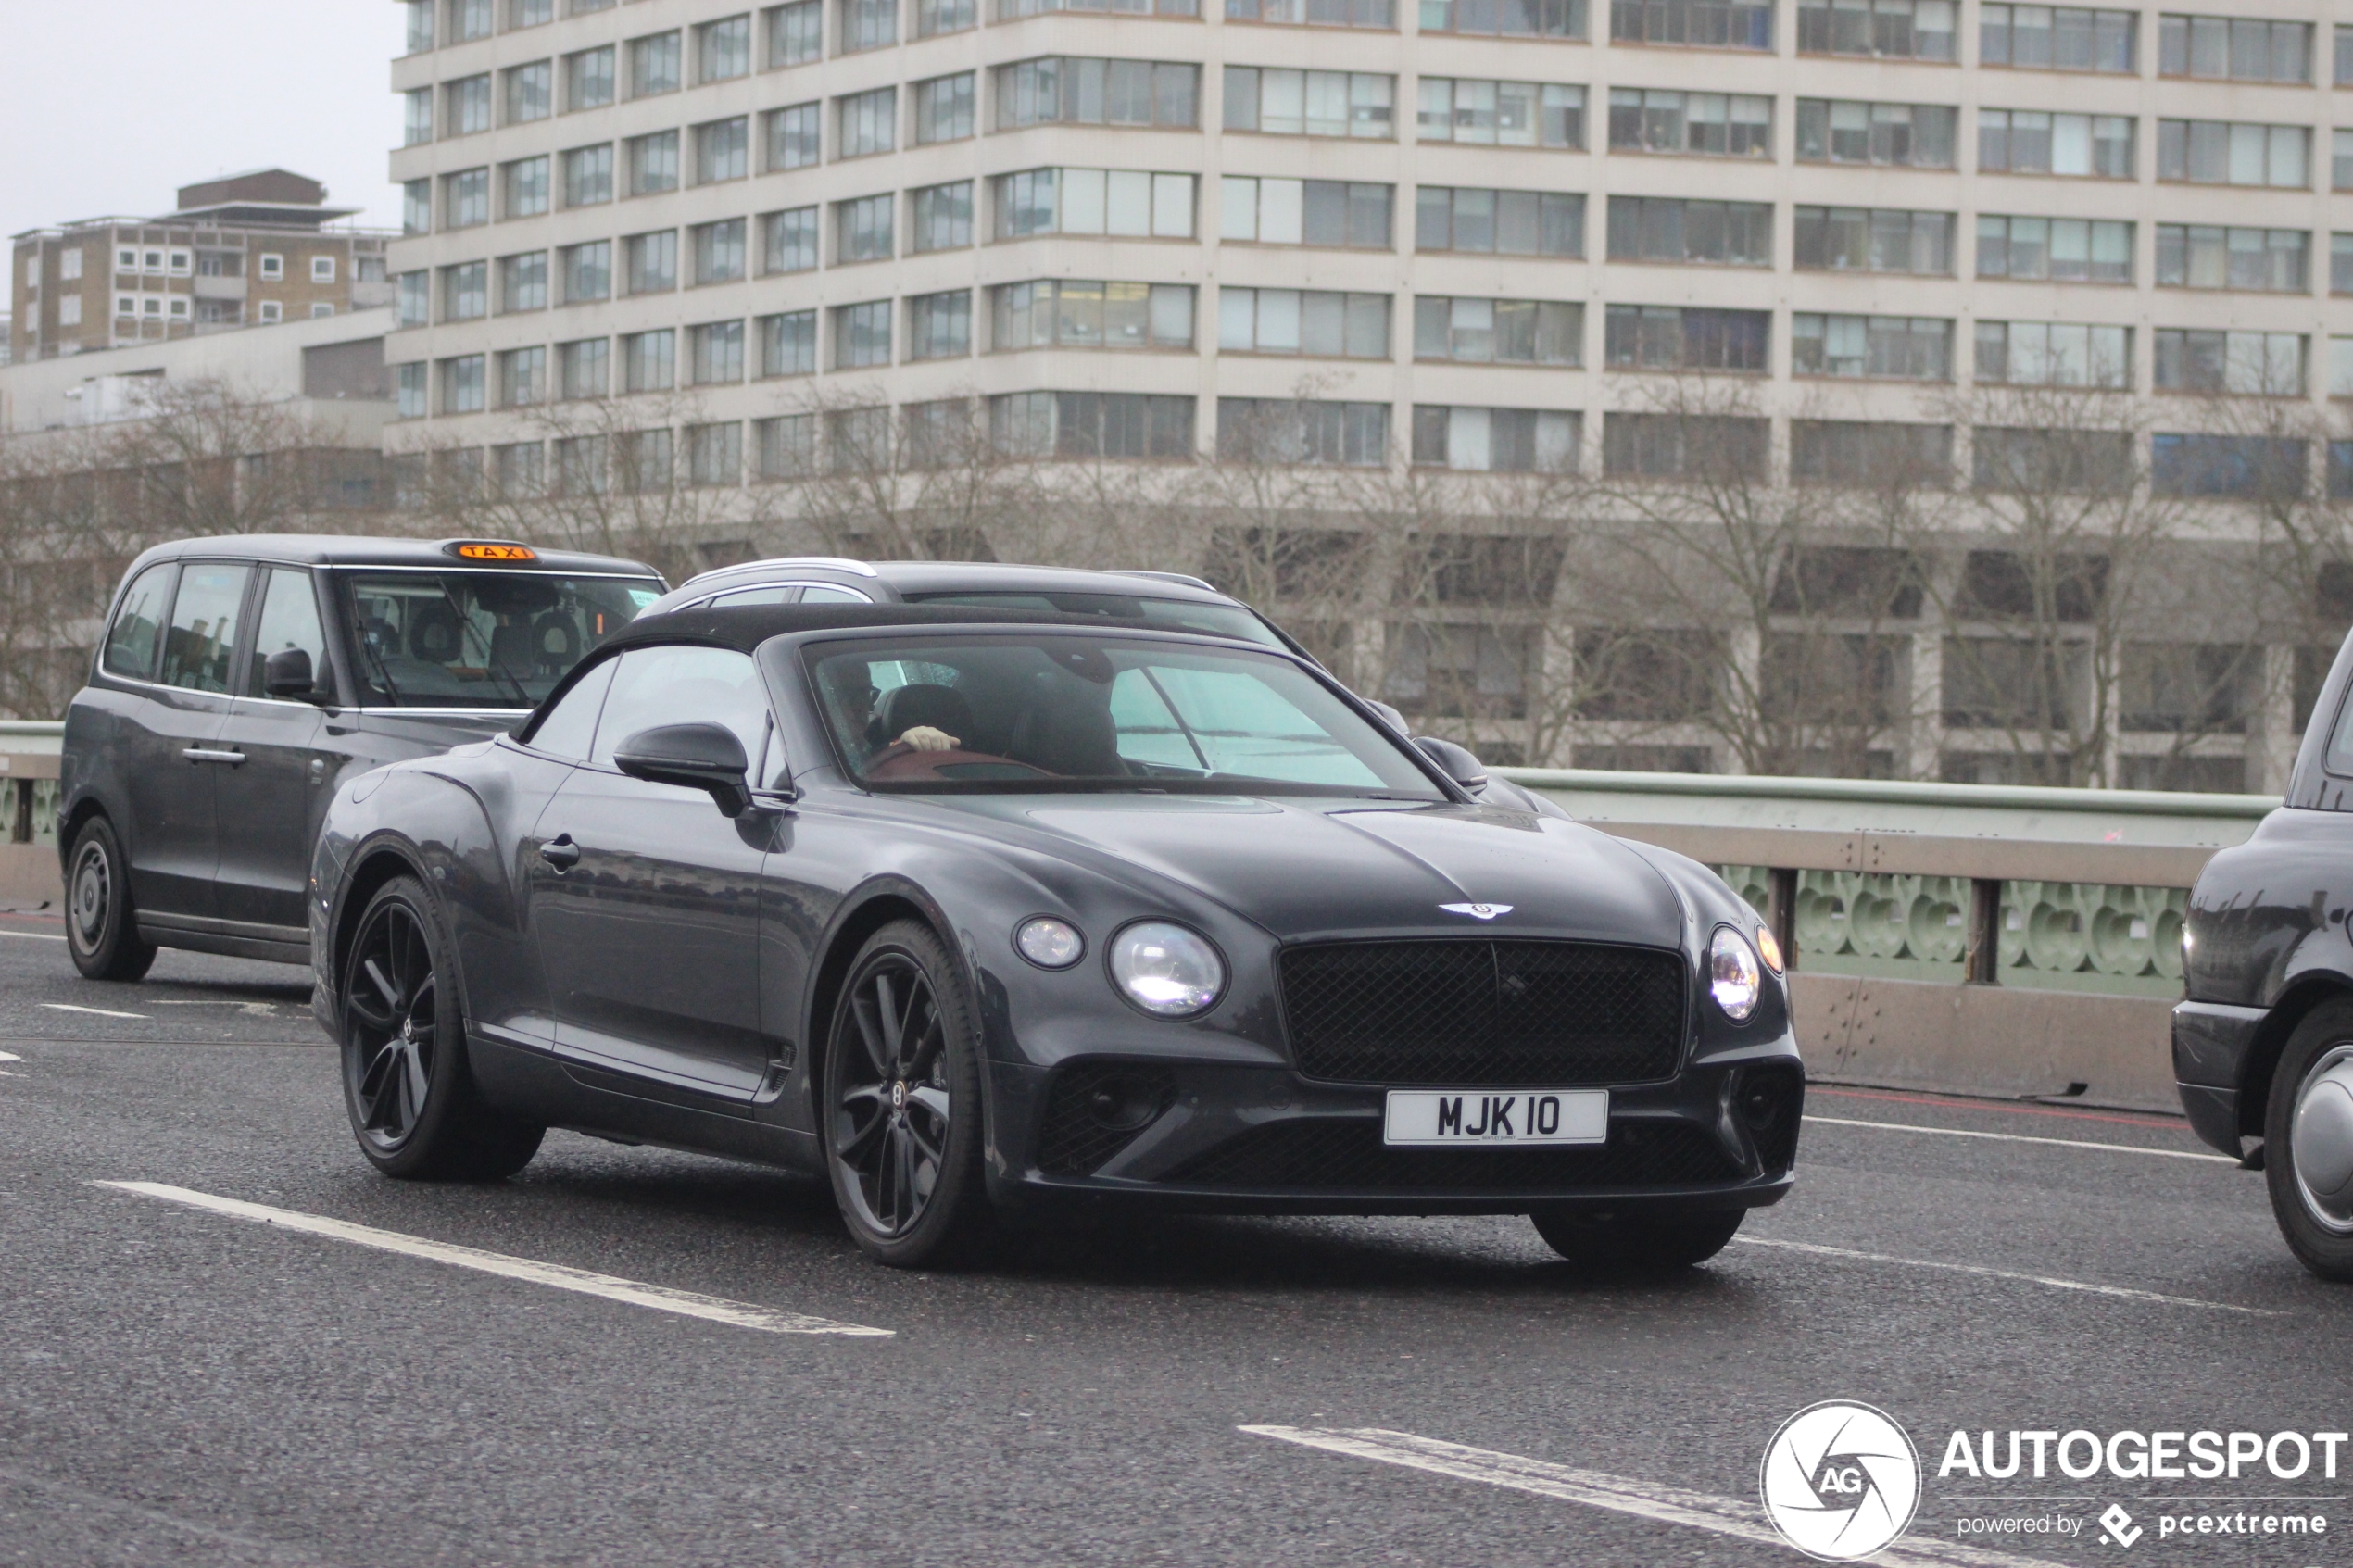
(1840, 1480)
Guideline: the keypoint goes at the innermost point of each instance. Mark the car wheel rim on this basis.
(391, 1025)
(2320, 1140)
(891, 1104)
(93, 896)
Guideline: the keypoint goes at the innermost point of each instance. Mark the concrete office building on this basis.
(1466, 234)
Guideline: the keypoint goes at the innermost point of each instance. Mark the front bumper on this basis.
(2211, 1043)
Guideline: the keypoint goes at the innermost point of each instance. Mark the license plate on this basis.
(1492, 1117)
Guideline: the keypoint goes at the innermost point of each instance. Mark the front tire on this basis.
(413, 1102)
(902, 1107)
(102, 927)
(2307, 1142)
(1620, 1245)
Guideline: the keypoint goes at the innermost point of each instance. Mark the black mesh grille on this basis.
(1079, 1131)
(1330, 1154)
(1550, 1013)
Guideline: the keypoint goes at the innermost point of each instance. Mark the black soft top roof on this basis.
(745, 627)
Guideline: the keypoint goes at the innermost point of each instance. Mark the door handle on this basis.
(561, 852)
(208, 754)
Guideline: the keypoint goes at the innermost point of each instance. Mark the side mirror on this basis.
(705, 756)
(1459, 765)
(287, 673)
(1396, 719)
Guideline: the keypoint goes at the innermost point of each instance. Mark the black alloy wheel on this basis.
(1627, 1245)
(102, 929)
(2307, 1141)
(413, 1103)
(902, 1104)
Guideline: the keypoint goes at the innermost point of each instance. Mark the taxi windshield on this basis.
(480, 639)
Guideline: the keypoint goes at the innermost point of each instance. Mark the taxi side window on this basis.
(202, 638)
(137, 630)
(289, 620)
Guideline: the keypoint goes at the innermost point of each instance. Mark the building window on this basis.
(796, 32)
(414, 300)
(1066, 91)
(1069, 313)
(939, 326)
(1860, 452)
(1668, 337)
(787, 445)
(2198, 255)
(465, 292)
(1498, 332)
(793, 137)
(521, 468)
(1671, 229)
(1270, 430)
(719, 251)
(1858, 239)
(1881, 347)
(2340, 371)
(468, 20)
(1317, 322)
(1498, 114)
(1128, 203)
(715, 353)
(322, 267)
(1711, 124)
(1014, 10)
(585, 366)
(788, 343)
(529, 13)
(2244, 364)
(410, 379)
(790, 240)
(582, 466)
(649, 262)
(868, 24)
(1702, 24)
(934, 17)
(2236, 467)
(416, 207)
(461, 384)
(2061, 250)
(588, 271)
(1495, 440)
(468, 105)
(2032, 142)
(1092, 425)
(1526, 18)
(2341, 264)
(944, 108)
(862, 229)
(2054, 354)
(525, 188)
(2237, 49)
(1684, 446)
(522, 281)
(645, 462)
(1310, 103)
(715, 454)
(1891, 135)
(942, 218)
(2056, 38)
(649, 361)
(868, 123)
(723, 150)
(653, 64)
(465, 198)
(530, 91)
(419, 25)
(589, 79)
(522, 377)
(2214, 152)
(723, 49)
(1894, 30)
(1498, 222)
(588, 175)
(2341, 160)
(653, 163)
(1341, 215)
(859, 439)
(416, 117)
(861, 335)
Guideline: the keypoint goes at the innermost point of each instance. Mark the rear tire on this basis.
(102, 927)
(414, 1106)
(2307, 1142)
(1621, 1245)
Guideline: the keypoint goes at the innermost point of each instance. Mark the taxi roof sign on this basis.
(490, 549)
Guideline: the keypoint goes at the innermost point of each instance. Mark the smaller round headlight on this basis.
(1768, 948)
(1167, 970)
(1734, 977)
(1050, 943)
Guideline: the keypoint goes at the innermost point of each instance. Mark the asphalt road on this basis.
(180, 1385)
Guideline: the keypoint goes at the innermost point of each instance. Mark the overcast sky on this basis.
(110, 109)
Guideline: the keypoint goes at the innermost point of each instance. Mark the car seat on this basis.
(434, 634)
(555, 643)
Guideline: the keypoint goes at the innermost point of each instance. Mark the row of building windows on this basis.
(2060, 38)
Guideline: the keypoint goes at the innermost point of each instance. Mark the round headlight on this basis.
(1050, 943)
(1734, 977)
(1768, 948)
(1167, 970)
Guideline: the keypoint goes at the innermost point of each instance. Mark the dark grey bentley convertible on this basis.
(984, 913)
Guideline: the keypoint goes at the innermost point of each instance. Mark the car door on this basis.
(270, 804)
(175, 762)
(646, 901)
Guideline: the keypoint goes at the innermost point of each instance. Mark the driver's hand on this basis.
(922, 737)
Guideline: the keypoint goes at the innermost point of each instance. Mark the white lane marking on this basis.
(661, 1299)
(101, 1012)
(11, 1056)
(255, 1009)
(34, 935)
(2121, 1292)
(1645, 1499)
(2022, 1137)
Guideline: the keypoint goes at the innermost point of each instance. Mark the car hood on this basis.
(1319, 869)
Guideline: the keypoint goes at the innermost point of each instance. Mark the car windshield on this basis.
(480, 639)
(1218, 621)
(1054, 713)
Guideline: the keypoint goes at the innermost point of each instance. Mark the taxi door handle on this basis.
(208, 754)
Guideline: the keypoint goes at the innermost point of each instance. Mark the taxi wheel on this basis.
(102, 929)
(2307, 1142)
(1632, 1245)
